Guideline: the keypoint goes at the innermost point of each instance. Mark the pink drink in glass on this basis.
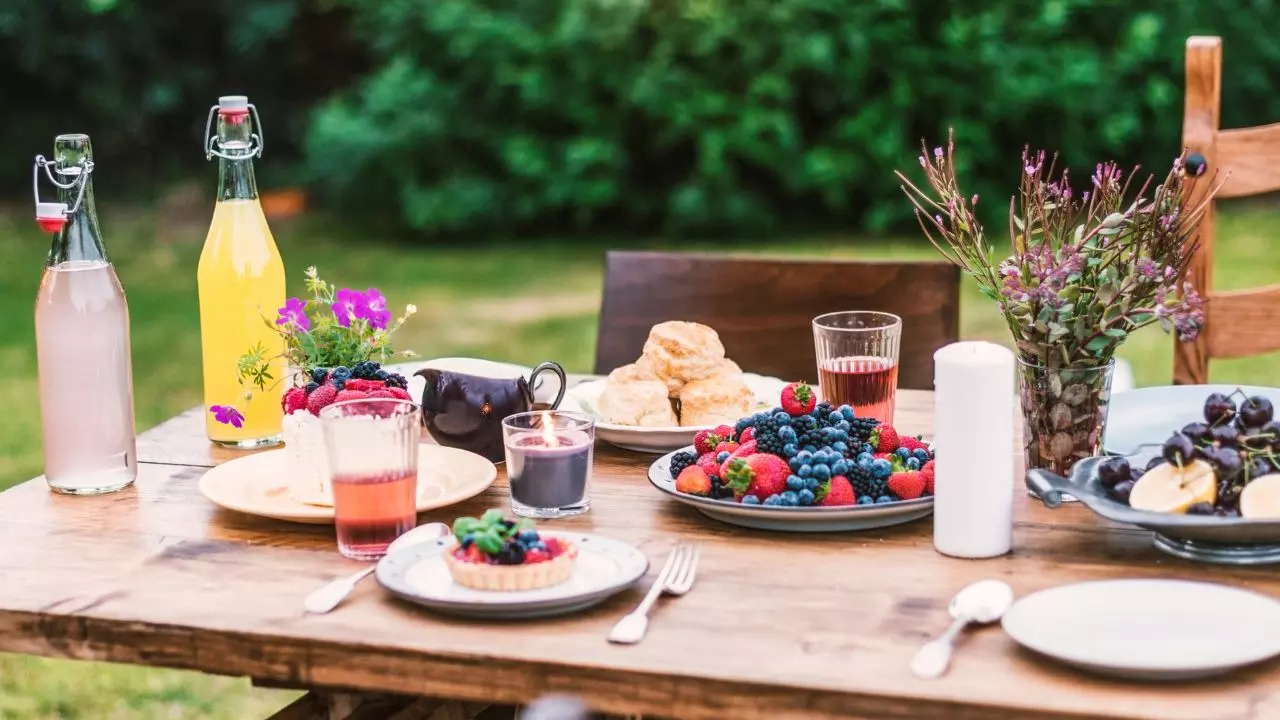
(373, 509)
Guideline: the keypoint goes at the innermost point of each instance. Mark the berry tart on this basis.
(494, 553)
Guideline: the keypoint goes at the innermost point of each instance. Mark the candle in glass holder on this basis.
(549, 458)
(973, 439)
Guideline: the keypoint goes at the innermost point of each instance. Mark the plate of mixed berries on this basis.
(802, 466)
(1210, 491)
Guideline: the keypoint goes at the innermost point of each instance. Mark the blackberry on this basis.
(864, 484)
(860, 428)
(381, 374)
(340, 373)
(682, 460)
(397, 380)
(311, 387)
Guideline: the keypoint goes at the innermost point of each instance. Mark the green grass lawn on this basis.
(522, 301)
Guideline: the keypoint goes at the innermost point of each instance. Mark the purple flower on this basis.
(227, 415)
(369, 306)
(378, 316)
(294, 314)
(1031, 169)
(1148, 269)
(937, 153)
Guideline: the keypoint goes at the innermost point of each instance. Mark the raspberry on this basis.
(379, 393)
(322, 397)
(360, 385)
(345, 395)
(399, 393)
(536, 556)
(295, 399)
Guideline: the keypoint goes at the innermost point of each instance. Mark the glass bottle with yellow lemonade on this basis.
(241, 286)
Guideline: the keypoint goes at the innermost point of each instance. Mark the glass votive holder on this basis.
(549, 455)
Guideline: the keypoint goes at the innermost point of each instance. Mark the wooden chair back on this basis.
(1238, 323)
(763, 307)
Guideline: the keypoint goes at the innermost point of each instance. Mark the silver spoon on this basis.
(326, 598)
(982, 602)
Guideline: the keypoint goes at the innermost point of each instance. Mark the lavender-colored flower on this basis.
(348, 305)
(376, 314)
(294, 315)
(1148, 269)
(937, 153)
(1031, 169)
(227, 415)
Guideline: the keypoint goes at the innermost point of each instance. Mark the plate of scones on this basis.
(681, 383)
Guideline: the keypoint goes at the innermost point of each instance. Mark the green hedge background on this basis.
(709, 117)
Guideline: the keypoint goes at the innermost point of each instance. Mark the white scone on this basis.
(642, 403)
(681, 352)
(634, 372)
(727, 368)
(715, 401)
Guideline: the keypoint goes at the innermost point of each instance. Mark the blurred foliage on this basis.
(139, 76)
(719, 116)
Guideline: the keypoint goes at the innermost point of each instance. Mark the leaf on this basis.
(1115, 333)
(1098, 344)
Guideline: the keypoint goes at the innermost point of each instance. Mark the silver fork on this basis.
(676, 578)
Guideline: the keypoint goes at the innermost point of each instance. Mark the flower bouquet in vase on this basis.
(1087, 266)
(335, 343)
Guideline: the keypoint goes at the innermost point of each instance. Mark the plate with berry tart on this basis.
(499, 568)
(1210, 491)
(812, 468)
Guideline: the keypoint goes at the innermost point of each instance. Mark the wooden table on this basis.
(778, 626)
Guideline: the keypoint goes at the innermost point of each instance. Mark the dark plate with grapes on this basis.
(1210, 491)
(791, 518)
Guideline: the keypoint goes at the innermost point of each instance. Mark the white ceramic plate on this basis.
(791, 519)
(1148, 629)
(258, 484)
(767, 390)
(1149, 415)
(604, 567)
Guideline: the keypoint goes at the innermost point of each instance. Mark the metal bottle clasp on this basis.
(52, 216)
(256, 141)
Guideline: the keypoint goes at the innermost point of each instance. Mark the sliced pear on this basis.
(1261, 497)
(1172, 489)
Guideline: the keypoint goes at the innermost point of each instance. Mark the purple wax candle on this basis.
(549, 458)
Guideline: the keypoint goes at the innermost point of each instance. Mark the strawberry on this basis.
(745, 449)
(907, 485)
(885, 439)
(707, 461)
(321, 397)
(927, 471)
(837, 491)
(727, 446)
(399, 393)
(693, 480)
(345, 395)
(748, 433)
(362, 385)
(707, 440)
(761, 475)
(798, 399)
(535, 556)
(295, 399)
(912, 443)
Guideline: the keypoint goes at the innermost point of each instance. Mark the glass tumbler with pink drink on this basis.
(858, 360)
(373, 461)
(82, 336)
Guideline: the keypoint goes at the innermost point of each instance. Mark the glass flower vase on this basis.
(1064, 411)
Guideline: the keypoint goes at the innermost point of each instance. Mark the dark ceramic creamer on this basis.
(466, 411)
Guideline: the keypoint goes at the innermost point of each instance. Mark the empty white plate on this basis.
(604, 567)
(1148, 629)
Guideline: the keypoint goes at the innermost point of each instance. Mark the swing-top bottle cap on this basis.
(51, 216)
(233, 105)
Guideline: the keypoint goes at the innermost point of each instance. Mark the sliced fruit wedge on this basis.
(1261, 498)
(1172, 489)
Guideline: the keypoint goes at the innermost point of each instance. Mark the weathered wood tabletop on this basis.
(778, 626)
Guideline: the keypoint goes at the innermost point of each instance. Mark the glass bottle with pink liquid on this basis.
(82, 337)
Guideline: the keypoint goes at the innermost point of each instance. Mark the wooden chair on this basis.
(763, 307)
(1238, 323)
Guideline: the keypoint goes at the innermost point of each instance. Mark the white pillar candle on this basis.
(973, 437)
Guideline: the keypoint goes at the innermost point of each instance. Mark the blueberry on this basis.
(789, 450)
(822, 472)
(750, 500)
(468, 539)
(913, 463)
(840, 467)
(787, 434)
(381, 374)
(319, 374)
(865, 463)
(806, 497)
(811, 483)
(790, 498)
(920, 454)
(866, 448)
(782, 419)
(795, 482)
(865, 457)
(341, 373)
(773, 500)
(884, 499)
(881, 468)
(843, 426)
(866, 500)
(528, 537)
(902, 453)
(794, 463)
(311, 387)
(847, 413)
(722, 456)
(810, 448)
(834, 417)
(840, 446)
(805, 457)
(805, 471)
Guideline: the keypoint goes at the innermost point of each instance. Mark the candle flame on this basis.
(549, 431)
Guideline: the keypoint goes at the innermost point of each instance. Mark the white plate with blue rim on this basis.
(791, 519)
(1148, 416)
(604, 568)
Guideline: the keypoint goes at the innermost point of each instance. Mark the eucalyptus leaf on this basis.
(1115, 333)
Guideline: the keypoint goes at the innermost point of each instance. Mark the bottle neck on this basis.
(81, 239)
(235, 171)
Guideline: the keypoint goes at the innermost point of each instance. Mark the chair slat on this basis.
(1251, 156)
(1241, 323)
